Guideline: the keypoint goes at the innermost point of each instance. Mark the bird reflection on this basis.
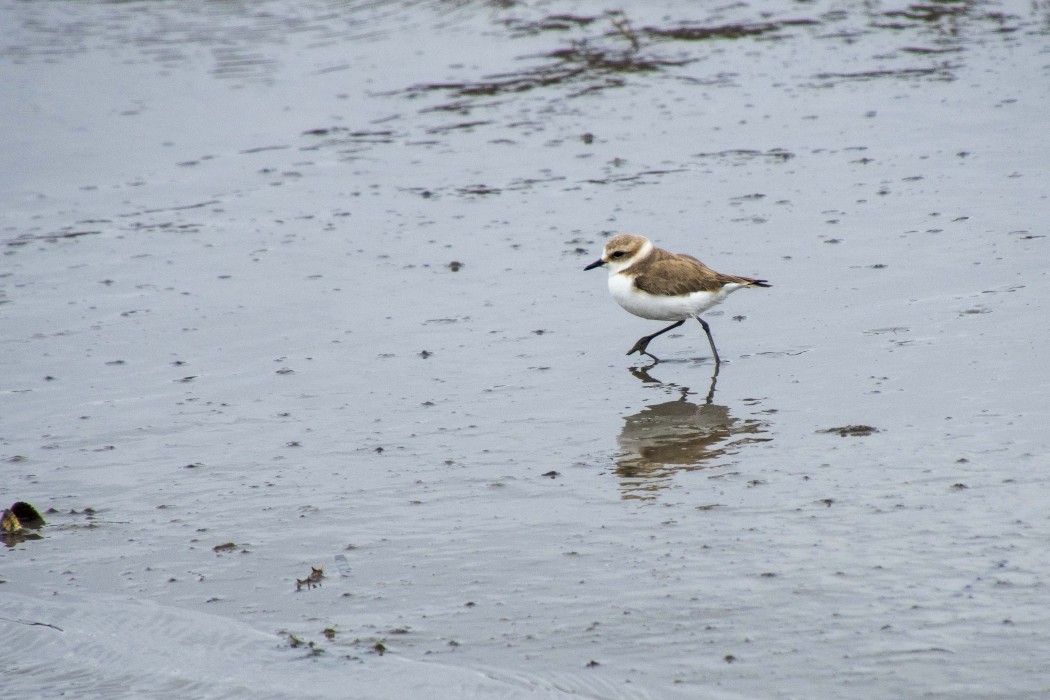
(678, 435)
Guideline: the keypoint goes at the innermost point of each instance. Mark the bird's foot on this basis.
(640, 348)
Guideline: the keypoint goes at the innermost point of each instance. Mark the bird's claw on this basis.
(640, 347)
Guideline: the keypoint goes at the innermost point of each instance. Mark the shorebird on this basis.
(653, 283)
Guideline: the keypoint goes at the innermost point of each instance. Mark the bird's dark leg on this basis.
(707, 329)
(644, 341)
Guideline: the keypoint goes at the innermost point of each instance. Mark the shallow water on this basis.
(307, 279)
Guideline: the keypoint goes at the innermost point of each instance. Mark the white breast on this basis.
(663, 308)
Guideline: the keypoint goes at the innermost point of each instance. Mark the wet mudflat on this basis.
(301, 368)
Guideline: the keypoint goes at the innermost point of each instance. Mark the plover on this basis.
(653, 283)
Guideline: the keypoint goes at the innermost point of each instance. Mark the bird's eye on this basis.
(617, 255)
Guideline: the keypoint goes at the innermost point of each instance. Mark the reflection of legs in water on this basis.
(714, 380)
(642, 373)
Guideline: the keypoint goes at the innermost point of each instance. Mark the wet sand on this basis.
(292, 286)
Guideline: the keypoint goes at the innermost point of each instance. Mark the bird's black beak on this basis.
(597, 263)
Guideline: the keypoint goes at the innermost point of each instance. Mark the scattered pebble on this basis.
(851, 430)
(312, 579)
